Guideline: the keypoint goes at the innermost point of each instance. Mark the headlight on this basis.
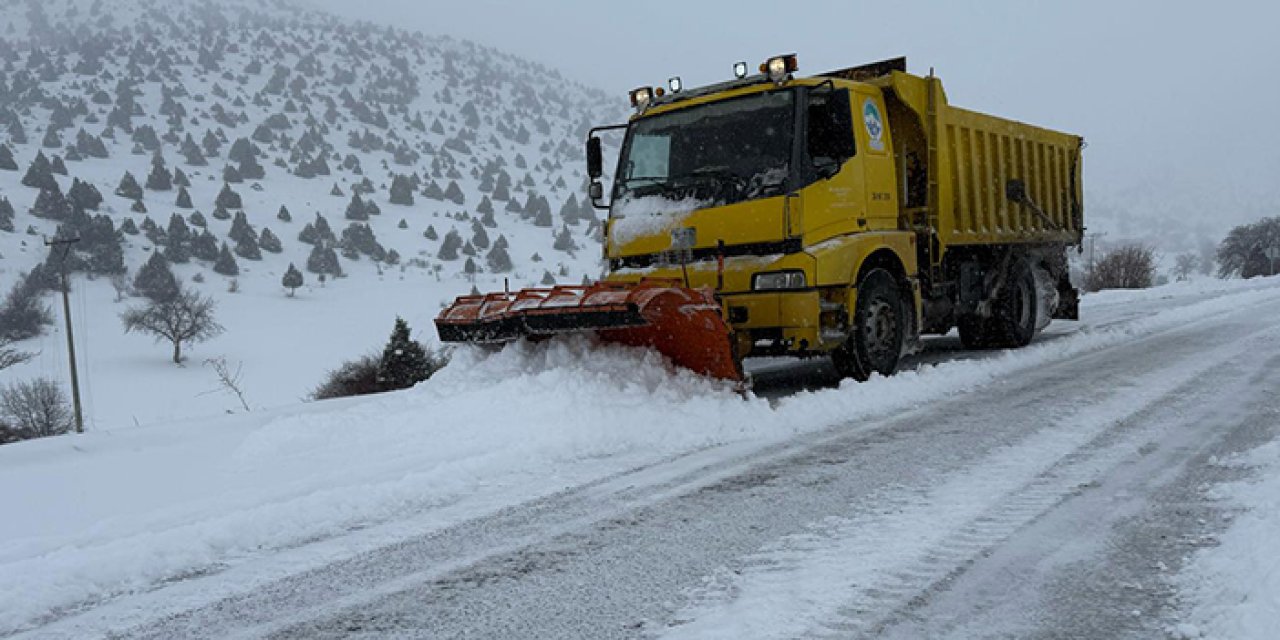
(675, 84)
(739, 70)
(778, 280)
(779, 67)
(640, 98)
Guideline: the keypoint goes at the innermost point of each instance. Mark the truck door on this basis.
(872, 129)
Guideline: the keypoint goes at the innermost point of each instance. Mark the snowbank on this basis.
(1232, 591)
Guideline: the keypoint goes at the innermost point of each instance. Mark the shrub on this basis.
(34, 409)
(1131, 266)
(353, 378)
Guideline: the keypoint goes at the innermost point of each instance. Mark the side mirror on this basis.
(595, 158)
(595, 190)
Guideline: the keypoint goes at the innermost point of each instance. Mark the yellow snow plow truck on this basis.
(842, 214)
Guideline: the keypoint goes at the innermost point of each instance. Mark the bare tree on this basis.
(10, 356)
(35, 409)
(186, 318)
(1130, 266)
(121, 285)
(230, 380)
(1185, 266)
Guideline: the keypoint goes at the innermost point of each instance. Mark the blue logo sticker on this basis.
(875, 125)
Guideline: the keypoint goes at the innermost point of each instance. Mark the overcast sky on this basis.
(1179, 93)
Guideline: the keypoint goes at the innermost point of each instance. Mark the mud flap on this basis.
(1068, 303)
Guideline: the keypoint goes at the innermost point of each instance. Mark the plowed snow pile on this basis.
(108, 513)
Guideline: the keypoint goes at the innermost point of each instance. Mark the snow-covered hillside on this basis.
(292, 109)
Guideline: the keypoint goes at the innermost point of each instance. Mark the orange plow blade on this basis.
(681, 323)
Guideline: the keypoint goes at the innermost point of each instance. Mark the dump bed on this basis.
(989, 180)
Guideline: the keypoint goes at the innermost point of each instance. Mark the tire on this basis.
(1013, 314)
(879, 329)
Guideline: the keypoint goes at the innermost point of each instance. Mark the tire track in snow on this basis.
(924, 540)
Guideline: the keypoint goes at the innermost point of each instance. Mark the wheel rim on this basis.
(880, 333)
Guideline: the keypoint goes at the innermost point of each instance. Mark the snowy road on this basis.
(1053, 501)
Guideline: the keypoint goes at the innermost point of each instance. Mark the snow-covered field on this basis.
(130, 509)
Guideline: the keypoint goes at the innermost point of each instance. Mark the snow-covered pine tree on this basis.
(228, 198)
(226, 263)
(324, 261)
(292, 278)
(155, 279)
(159, 179)
(268, 241)
(129, 187)
(404, 362)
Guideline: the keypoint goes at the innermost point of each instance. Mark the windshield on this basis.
(722, 152)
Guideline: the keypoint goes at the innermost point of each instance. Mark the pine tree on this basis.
(6, 215)
(241, 231)
(498, 260)
(401, 190)
(205, 246)
(51, 204)
(248, 249)
(180, 178)
(283, 215)
(40, 174)
(178, 240)
(7, 163)
(228, 199)
(323, 231)
(292, 279)
(356, 209)
(159, 179)
(453, 193)
(184, 199)
(450, 246)
(323, 260)
(84, 196)
(404, 362)
(569, 210)
(226, 263)
(479, 238)
(564, 240)
(129, 187)
(308, 234)
(269, 242)
(155, 279)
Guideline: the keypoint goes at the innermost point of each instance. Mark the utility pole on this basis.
(66, 311)
(1093, 240)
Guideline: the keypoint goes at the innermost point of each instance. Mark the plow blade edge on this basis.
(681, 323)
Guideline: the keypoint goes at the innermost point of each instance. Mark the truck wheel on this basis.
(879, 328)
(1013, 314)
